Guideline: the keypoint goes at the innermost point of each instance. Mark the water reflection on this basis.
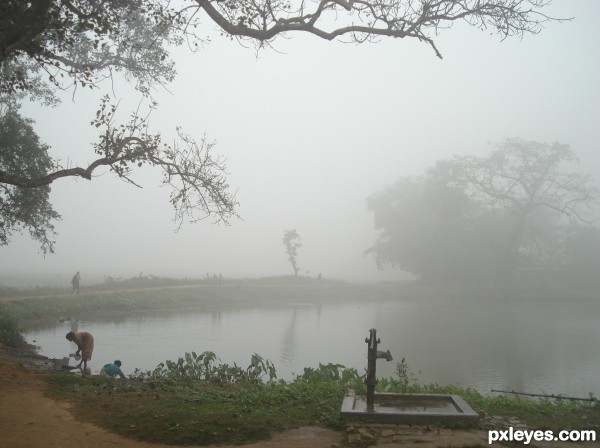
(288, 346)
(527, 346)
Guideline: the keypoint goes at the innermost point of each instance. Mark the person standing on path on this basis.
(75, 282)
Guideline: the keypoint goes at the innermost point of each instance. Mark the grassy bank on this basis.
(134, 295)
(196, 400)
(108, 302)
(26, 310)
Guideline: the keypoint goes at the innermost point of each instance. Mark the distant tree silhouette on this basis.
(487, 217)
(525, 178)
(291, 240)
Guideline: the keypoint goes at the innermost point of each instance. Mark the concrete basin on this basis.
(409, 409)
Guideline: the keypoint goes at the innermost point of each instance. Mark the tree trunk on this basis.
(510, 259)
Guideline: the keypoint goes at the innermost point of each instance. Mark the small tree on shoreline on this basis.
(291, 240)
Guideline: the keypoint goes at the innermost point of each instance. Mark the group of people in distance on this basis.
(85, 347)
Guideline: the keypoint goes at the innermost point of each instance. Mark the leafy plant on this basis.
(333, 373)
(207, 367)
(259, 367)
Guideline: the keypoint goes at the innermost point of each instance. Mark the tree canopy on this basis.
(22, 153)
(487, 218)
(57, 45)
(524, 179)
(49, 46)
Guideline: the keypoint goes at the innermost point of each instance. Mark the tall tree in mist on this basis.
(48, 47)
(291, 241)
(482, 218)
(433, 230)
(523, 178)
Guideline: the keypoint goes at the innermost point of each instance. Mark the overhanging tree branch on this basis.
(52, 45)
(363, 20)
(197, 178)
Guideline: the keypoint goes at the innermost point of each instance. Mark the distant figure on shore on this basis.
(112, 370)
(85, 346)
(75, 282)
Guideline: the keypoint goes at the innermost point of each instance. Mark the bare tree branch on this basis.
(196, 177)
(364, 20)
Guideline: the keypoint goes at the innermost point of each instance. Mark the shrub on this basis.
(10, 335)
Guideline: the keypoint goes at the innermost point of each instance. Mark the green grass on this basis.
(196, 400)
(199, 412)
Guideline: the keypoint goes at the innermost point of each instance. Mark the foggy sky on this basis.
(309, 132)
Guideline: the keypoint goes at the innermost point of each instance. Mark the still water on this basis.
(535, 346)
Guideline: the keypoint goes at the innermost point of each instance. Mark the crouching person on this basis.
(112, 370)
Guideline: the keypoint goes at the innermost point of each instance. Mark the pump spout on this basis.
(385, 355)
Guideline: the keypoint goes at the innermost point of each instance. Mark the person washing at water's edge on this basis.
(112, 370)
(85, 345)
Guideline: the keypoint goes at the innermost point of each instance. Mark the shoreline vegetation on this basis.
(197, 399)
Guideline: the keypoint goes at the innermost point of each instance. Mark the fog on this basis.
(310, 130)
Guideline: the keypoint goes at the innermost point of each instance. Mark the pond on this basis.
(532, 346)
